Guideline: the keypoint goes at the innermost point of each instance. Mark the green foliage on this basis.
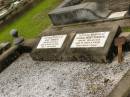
(126, 29)
(33, 22)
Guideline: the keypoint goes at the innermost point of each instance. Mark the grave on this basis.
(69, 40)
(26, 77)
(80, 45)
(87, 41)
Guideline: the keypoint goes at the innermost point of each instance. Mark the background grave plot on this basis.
(73, 11)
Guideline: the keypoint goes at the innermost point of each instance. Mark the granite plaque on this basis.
(88, 40)
(55, 41)
(118, 14)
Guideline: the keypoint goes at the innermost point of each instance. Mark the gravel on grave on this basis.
(28, 78)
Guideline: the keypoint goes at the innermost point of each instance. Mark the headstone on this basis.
(82, 45)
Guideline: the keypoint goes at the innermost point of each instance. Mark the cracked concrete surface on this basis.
(28, 78)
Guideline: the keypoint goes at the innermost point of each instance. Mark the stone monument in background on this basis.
(78, 11)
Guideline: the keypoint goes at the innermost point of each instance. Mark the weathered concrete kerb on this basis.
(123, 87)
(11, 54)
(8, 57)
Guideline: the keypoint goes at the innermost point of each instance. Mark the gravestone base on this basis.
(67, 48)
(53, 52)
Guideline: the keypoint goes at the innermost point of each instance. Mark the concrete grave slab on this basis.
(94, 45)
(28, 78)
(81, 45)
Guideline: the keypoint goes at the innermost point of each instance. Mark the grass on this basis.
(33, 22)
(126, 29)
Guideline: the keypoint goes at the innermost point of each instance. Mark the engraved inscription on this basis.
(87, 40)
(55, 41)
(117, 14)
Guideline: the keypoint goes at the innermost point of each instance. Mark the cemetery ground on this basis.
(32, 22)
(25, 75)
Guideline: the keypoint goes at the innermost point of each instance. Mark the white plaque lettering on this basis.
(55, 41)
(87, 40)
(117, 14)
